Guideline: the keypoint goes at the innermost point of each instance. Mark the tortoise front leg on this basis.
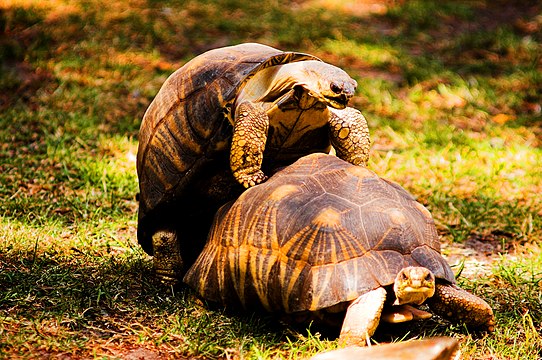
(458, 305)
(362, 318)
(248, 144)
(350, 135)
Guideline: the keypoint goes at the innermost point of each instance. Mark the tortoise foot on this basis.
(350, 135)
(167, 260)
(248, 144)
(403, 313)
(250, 180)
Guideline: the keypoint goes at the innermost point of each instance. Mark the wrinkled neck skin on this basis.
(305, 100)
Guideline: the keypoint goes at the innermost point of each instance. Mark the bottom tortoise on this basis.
(323, 236)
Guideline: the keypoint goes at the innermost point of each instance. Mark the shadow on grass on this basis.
(57, 284)
(117, 299)
(107, 297)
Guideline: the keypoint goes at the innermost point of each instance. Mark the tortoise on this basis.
(218, 123)
(436, 348)
(322, 237)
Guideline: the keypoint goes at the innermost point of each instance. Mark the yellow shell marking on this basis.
(328, 217)
(397, 216)
(264, 257)
(289, 278)
(359, 171)
(320, 283)
(283, 191)
(423, 210)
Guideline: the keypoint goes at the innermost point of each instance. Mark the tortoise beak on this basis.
(339, 101)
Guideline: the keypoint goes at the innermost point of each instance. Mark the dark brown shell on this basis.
(318, 233)
(185, 133)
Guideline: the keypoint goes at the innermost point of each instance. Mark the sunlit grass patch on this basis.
(472, 185)
(375, 55)
(514, 292)
(497, 164)
(76, 196)
(76, 180)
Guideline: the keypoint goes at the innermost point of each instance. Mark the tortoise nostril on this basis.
(336, 88)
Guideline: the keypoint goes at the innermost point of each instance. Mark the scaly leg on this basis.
(458, 305)
(362, 318)
(168, 264)
(350, 135)
(248, 144)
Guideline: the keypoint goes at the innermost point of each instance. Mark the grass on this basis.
(452, 94)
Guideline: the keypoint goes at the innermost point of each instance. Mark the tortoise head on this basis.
(327, 83)
(413, 285)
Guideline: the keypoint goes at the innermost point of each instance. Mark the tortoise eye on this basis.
(337, 89)
(429, 277)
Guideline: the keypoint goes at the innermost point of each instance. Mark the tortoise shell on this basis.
(318, 233)
(182, 160)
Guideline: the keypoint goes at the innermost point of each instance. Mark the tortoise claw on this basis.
(249, 180)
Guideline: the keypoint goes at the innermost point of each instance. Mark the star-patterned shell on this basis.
(318, 233)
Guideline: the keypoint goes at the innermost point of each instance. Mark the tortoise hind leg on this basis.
(362, 318)
(168, 263)
(458, 305)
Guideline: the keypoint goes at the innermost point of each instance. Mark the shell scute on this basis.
(430, 258)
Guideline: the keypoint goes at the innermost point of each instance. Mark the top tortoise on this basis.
(222, 121)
